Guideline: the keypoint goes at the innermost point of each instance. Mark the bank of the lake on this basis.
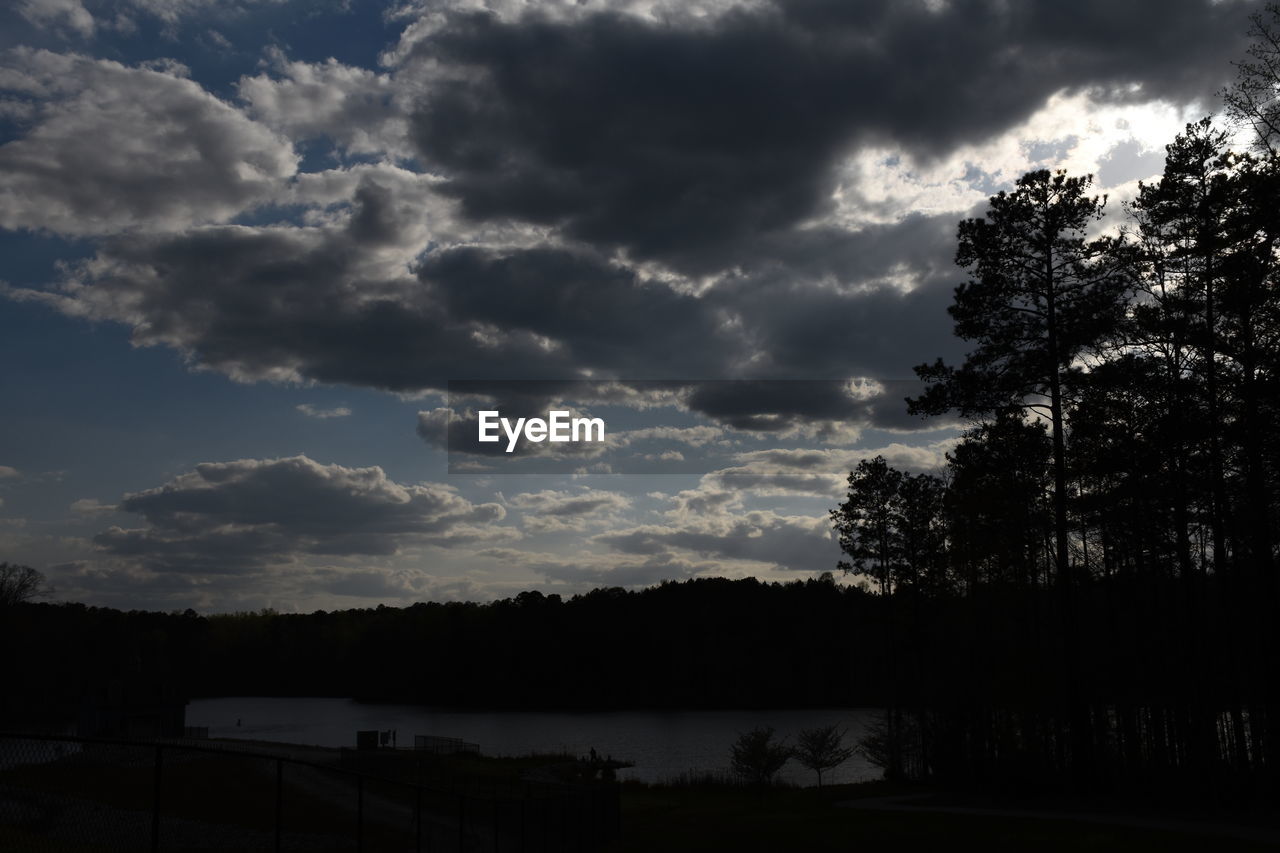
(662, 744)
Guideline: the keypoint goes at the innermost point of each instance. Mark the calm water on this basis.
(661, 743)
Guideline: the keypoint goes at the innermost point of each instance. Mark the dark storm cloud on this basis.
(830, 304)
(686, 143)
(318, 304)
(709, 146)
(229, 517)
(780, 405)
(264, 303)
(604, 316)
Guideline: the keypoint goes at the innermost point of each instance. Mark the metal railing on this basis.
(65, 794)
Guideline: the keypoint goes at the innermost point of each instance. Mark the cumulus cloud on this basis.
(318, 303)
(821, 472)
(783, 473)
(773, 481)
(798, 543)
(111, 147)
(85, 18)
(703, 500)
(918, 458)
(698, 220)
(91, 507)
(8, 472)
(360, 111)
(56, 14)
(246, 515)
(552, 511)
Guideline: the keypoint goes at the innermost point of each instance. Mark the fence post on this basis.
(417, 819)
(582, 829)
(359, 814)
(592, 804)
(279, 799)
(155, 801)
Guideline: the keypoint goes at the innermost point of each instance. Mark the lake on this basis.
(662, 744)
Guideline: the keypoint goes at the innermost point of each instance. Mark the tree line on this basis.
(700, 643)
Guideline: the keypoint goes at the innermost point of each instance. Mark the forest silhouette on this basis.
(1104, 533)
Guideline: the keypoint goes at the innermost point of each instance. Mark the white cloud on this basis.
(113, 147)
(1071, 131)
(550, 511)
(252, 514)
(91, 506)
(57, 14)
(321, 413)
(776, 541)
(79, 17)
(361, 111)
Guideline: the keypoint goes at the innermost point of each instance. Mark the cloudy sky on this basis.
(245, 247)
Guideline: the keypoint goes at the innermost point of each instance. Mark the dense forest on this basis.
(701, 643)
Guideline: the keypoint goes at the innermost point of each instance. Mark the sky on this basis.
(262, 264)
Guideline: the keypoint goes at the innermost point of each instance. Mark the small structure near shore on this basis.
(373, 739)
(444, 745)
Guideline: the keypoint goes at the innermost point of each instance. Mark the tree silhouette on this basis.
(757, 757)
(1254, 99)
(1041, 297)
(821, 749)
(867, 523)
(997, 503)
(19, 584)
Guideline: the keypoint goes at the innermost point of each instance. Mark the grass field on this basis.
(742, 819)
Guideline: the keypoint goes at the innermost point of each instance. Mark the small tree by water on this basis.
(821, 749)
(756, 757)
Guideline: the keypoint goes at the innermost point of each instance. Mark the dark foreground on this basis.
(74, 796)
(872, 817)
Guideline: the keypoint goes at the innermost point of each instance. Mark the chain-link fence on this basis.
(63, 794)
